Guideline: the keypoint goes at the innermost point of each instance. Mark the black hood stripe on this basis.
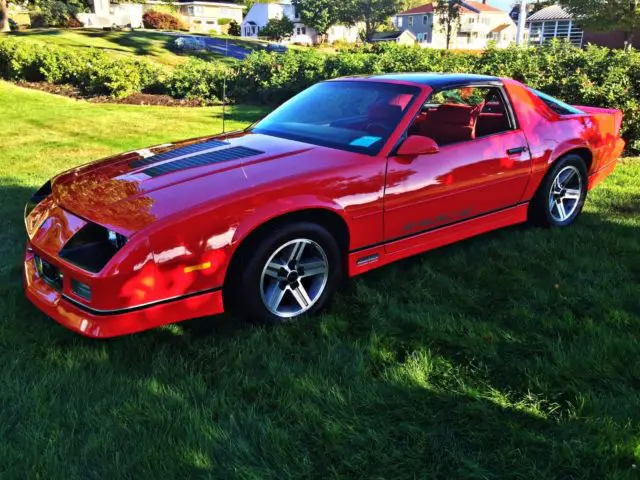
(178, 152)
(208, 158)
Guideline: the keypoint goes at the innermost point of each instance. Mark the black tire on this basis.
(543, 210)
(247, 285)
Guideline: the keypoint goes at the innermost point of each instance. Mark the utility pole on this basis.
(522, 19)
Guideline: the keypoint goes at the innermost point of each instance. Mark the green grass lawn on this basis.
(152, 45)
(511, 355)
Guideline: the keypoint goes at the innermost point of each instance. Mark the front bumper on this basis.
(103, 324)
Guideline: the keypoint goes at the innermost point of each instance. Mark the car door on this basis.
(465, 179)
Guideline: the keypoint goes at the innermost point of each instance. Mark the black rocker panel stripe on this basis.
(209, 158)
(198, 147)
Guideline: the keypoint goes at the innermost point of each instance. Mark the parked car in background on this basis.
(276, 47)
(349, 175)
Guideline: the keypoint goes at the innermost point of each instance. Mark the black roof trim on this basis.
(437, 81)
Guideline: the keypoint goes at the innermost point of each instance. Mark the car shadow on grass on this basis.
(510, 355)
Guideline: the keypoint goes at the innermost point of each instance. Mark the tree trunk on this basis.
(4, 16)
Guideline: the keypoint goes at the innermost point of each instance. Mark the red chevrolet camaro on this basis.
(347, 176)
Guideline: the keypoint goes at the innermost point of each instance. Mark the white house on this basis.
(261, 13)
(107, 14)
(198, 15)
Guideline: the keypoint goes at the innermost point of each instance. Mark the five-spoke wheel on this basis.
(287, 271)
(561, 194)
(294, 277)
(565, 194)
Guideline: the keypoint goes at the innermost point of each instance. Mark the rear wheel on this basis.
(562, 194)
(293, 271)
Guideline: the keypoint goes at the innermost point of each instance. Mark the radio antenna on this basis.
(224, 84)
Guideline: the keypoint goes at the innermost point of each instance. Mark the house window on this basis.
(410, 20)
(195, 10)
(425, 19)
(296, 11)
(304, 30)
(419, 36)
(472, 20)
(399, 21)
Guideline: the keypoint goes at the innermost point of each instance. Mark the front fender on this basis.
(285, 206)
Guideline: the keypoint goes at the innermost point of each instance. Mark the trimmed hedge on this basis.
(590, 76)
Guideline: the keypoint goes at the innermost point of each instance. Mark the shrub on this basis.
(93, 71)
(590, 76)
(162, 21)
(277, 29)
(273, 78)
(73, 22)
(198, 79)
(234, 28)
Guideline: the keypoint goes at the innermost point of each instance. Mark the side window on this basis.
(462, 114)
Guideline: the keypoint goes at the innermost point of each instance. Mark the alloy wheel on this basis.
(294, 278)
(565, 194)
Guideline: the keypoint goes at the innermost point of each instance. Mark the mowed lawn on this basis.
(511, 355)
(153, 45)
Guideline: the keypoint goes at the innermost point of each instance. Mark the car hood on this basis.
(130, 191)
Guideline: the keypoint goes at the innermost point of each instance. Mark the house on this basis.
(555, 22)
(260, 14)
(479, 24)
(107, 14)
(205, 16)
(402, 37)
(200, 16)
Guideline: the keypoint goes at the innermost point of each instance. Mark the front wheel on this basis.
(562, 194)
(294, 271)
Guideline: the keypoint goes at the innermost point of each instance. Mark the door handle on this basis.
(516, 151)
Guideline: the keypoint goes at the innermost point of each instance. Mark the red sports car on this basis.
(347, 176)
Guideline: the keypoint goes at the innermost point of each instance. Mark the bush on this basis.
(198, 79)
(55, 13)
(93, 71)
(234, 28)
(162, 21)
(590, 76)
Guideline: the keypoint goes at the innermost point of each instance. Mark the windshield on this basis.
(348, 115)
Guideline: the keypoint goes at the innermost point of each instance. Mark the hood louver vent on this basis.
(179, 152)
(210, 158)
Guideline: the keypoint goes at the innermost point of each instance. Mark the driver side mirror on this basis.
(415, 145)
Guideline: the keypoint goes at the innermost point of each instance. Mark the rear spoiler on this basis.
(607, 112)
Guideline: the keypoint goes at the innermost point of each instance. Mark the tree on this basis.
(234, 29)
(4, 16)
(318, 14)
(448, 15)
(373, 13)
(606, 15)
(277, 29)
